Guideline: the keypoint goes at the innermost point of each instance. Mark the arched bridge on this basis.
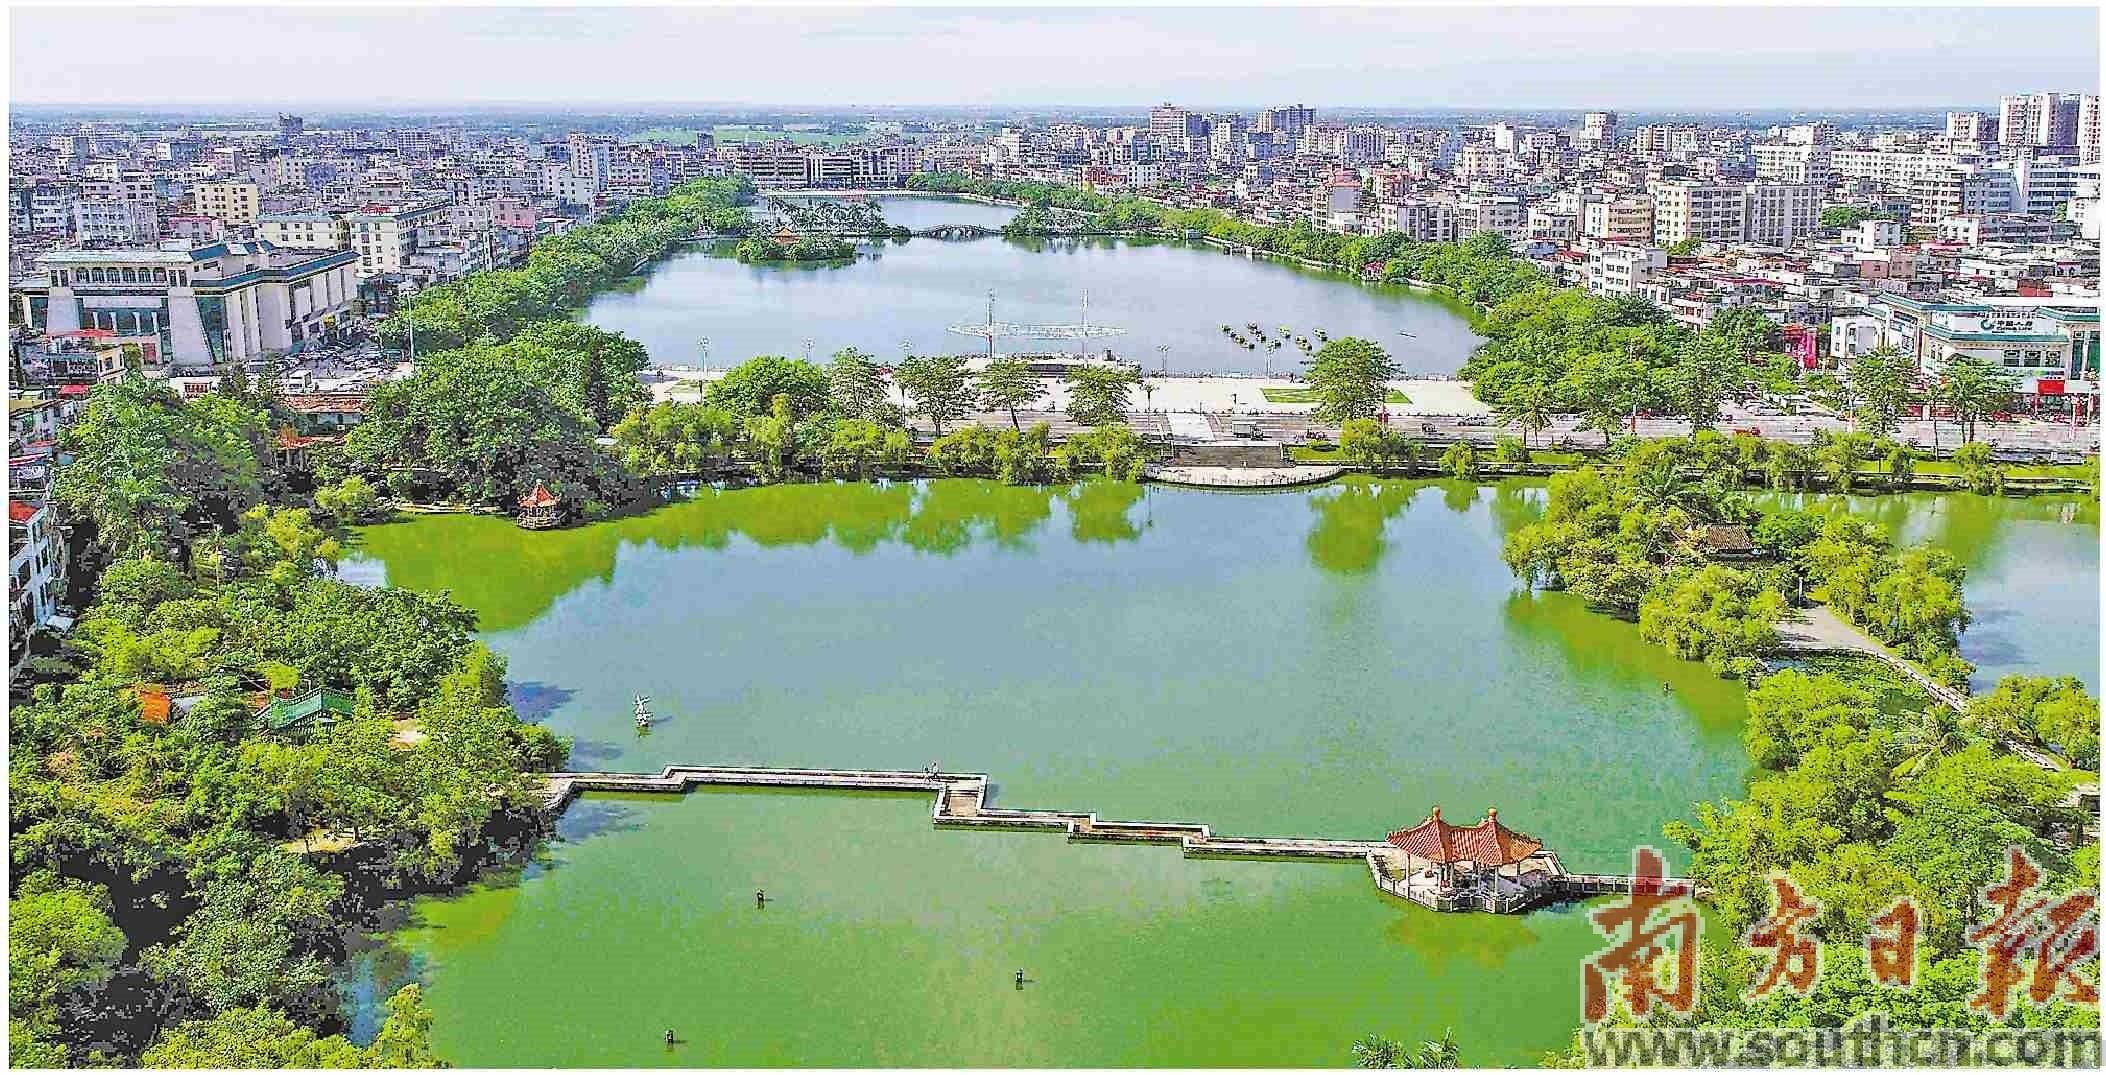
(956, 231)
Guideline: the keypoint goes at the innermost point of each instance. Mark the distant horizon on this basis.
(1478, 58)
(239, 109)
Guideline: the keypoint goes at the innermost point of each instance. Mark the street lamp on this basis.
(1163, 361)
(703, 344)
(807, 348)
(906, 351)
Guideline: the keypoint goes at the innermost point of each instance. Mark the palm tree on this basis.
(1934, 733)
(1376, 1051)
(1530, 406)
(1658, 486)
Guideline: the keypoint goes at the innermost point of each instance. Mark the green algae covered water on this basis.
(1327, 662)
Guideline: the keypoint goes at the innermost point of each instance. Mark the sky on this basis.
(1661, 58)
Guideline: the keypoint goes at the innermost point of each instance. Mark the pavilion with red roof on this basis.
(1487, 844)
(540, 509)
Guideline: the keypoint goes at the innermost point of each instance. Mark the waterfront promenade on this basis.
(1444, 409)
(960, 800)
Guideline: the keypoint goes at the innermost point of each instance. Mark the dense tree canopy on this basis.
(485, 425)
(1350, 377)
(150, 470)
(563, 270)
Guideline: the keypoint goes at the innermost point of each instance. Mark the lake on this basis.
(1330, 662)
(901, 296)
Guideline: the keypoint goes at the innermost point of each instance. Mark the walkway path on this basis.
(1822, 630)
(960, 801)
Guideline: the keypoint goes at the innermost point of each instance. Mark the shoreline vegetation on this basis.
(236, 757)
(1866, 789)
(227, 707)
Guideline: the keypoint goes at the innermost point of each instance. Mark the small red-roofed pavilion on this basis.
(1485, 844)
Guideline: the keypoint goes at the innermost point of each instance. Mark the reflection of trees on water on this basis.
(510, 577)
(1970, 526)
(1350, 518)
(1606, 654)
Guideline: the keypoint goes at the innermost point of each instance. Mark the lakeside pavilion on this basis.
(1444, 862)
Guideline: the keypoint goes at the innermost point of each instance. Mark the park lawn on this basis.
(1308, 395)
(1309, 453)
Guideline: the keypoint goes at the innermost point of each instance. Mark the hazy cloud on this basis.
(1660, 57)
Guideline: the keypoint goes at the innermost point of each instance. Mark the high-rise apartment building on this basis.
(1692, 209)
(1780, 214)
(232, 204)
(1597, 128)
(1177, 129)
(1975, 127)
(2038, 119)
(1287, 120)
(2088, 129)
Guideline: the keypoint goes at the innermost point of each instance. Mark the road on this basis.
(1216, 407)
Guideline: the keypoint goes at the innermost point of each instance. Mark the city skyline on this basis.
(1489, 57)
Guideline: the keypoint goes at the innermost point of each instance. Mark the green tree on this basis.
(253, 941)
(749, 389)
(1839, 455)
(2057, 713)
(252, 1037)
(150, 470)
(1100, 395)
(1531, 408)
(773, 439)
(62, 948)
(1883, 383)
(1707, 371)
(856, 447)
(1376, 1051)
(481, 426)
(1460, 460)
(1715, 614)
(674, 438)
(262, 1037)
(1844, 216)
(1116, 448)
(1008, 384)
(591, 370)
(1978, 467)
(1974, 389)
(352, 501)
(856, 384)
(1350, 377)
(940, 385)
(1900, 463)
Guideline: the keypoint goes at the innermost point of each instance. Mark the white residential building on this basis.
(385, 236)
(1619, 219)
(1780, 214)
(1708, 212)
